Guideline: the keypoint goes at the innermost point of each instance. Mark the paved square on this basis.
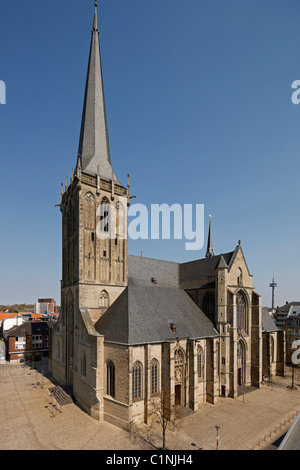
(252, 421)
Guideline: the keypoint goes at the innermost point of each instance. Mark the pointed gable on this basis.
(238, 271)
(222, 263)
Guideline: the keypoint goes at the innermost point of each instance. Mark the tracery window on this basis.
(241, 307)
(199, 362)
(89, 198)
(89, 211)
(272, 349)
(179, 365)
(104, 301)
(154, 376)
(137, 380)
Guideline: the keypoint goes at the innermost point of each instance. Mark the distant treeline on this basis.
(16, 307)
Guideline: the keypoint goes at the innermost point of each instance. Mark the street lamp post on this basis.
(292, 387)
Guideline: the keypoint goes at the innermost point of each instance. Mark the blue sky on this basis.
(198, 97)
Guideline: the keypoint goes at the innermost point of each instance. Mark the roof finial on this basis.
(95, 25)
(210, 249)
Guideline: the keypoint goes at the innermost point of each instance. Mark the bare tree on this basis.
(162, 418)
(164, 414)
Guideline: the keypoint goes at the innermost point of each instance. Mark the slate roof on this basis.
(141, 270)
(155, 298)
(192, 274)
(196, 273)
(143, 314)
(268, 323)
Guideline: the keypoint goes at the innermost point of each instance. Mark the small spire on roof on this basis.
(222, 263)
(210, 249)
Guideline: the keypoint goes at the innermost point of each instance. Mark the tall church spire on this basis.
(210, 249)
(93, 150)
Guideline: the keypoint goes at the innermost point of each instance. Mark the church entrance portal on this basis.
(177, 394)
(241, 362)
(240, 376)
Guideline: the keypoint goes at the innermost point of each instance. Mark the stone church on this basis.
(131, 327)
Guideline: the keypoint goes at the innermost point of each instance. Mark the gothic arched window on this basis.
(104, 300)
(110, 379)
(241, 362)
(272, 349)
(154, 376)
(179, 366)
(200, 362)
(239, 351)
(241, 310)
(137, 380)
(89, 211)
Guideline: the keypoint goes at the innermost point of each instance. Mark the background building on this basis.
(292, 329)
(282, 312)
(27, 341)
(45, 307)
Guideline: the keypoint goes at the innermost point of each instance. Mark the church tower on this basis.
(94, 218)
